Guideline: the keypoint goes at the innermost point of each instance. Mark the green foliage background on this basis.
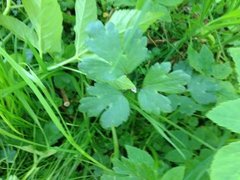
(119, 89)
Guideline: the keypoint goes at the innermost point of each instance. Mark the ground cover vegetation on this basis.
(120, 89)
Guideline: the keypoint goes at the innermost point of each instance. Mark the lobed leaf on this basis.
(184, 104)
(204, 63)
(203, 89)
(108, 102)
(160, 79)
(153, 102)
(138, 165)
(114, 55)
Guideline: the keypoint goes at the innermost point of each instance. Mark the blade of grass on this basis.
(27, 77)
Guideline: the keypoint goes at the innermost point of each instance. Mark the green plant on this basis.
(80, 83)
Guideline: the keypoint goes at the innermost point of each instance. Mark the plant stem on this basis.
(8, 7)
(115, 143)
(16, 6)
(66, 101)
(67, 61)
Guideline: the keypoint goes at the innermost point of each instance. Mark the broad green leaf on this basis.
(161, 79)
(99, 70)
(108, 44)
(153, 102)
(235, 54)
(204, 63)
(134, 171)
(227, 115)
(108, 102)
(128, 19)
(170, 2)
(86, 12)
(174, 156)
(18, 28)
(226, 92)
(139, 156)
(203, 89)
(138, 165)
(52, 132)
(221, 71)
(200, 169)
(184, 66)
(226, 163)
(208, 134)
(176, 173)
(114, 55)
(126, 168)
(46, 18)
(184, 104)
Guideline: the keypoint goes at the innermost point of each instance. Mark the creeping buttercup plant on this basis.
(119, 89)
